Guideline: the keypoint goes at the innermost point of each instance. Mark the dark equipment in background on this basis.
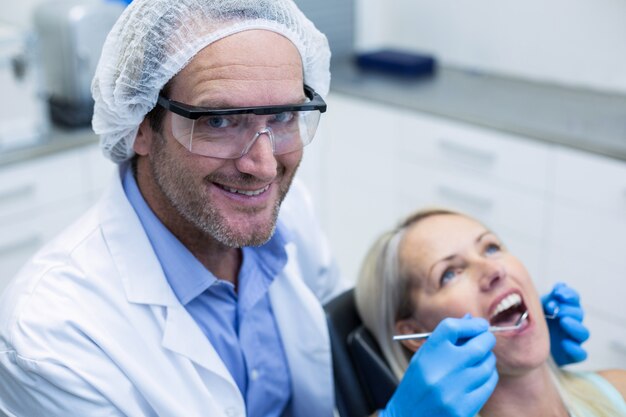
(71, 34)
(396, 62)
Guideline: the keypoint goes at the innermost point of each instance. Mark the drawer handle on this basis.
(481, 203)
(480, 156)
(29, 242)
(17, 193)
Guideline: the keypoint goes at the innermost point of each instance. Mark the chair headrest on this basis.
(373, 371)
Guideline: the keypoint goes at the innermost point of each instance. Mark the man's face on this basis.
(234, 201)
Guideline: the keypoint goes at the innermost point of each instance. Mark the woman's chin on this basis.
(516, 361)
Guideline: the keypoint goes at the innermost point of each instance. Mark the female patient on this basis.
(446, 272)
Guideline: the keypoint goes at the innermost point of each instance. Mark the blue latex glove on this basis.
(567, 332)
(451, 375)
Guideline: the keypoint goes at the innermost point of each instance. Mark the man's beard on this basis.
(195, 207)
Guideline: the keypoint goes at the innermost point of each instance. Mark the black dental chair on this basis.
(363, 381)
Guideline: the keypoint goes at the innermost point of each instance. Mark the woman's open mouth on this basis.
(508, 311)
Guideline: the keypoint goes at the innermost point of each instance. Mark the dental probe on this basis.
(492, 329)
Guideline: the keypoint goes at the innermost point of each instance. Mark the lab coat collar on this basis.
(141, 272)
(145, 282)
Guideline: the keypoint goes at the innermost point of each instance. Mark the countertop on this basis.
(582, 119)
(57, 140)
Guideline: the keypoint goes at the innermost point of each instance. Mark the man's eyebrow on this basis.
(224, 104)
(214, 104)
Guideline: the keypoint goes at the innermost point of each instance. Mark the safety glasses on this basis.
(231, 133)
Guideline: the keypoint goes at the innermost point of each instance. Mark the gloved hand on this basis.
(451, 375)
(567, 331)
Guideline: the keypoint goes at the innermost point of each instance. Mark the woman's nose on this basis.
(491, 273)
(258, 158)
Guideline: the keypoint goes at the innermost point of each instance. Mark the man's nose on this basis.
(258, 157)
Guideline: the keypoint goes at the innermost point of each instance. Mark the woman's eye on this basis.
(284, 117)
(492, 248)
(447, 276)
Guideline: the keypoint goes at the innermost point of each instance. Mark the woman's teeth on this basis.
(506, 303)
(244, 192)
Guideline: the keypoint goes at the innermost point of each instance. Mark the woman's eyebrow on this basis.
(447, 258)
(450, 257)
(482, 235)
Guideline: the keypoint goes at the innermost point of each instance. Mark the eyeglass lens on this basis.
(230, 136)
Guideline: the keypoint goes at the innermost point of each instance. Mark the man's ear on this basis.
(144, 138)
(409, 326)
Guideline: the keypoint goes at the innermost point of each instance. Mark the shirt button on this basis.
(254, 375)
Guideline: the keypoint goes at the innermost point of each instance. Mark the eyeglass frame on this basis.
(315, 103)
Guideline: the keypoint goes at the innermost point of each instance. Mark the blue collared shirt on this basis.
(240, 326)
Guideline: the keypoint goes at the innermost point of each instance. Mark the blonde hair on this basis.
(582, 396)
(382, 298)
(381, 292)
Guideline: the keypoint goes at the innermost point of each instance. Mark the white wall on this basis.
(572, 42)
(18, 12)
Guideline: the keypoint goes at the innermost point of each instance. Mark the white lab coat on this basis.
(90, 327)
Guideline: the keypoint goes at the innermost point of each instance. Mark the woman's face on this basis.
(457, 266)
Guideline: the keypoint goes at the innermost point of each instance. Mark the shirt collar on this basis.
(185, 274)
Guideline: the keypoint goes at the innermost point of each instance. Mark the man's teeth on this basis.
(244, 192)
(508, 302)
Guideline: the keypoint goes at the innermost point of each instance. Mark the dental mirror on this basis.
(493, 329)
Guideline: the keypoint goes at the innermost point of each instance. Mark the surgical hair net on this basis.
(154, 39)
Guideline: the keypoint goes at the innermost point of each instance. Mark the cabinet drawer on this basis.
(26, 187)
(499, 207)
(20, 240)
(599, 282)
(591, 181)
(494, 155)
(588, 233)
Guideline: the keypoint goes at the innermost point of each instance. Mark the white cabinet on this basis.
(586, 246)
(27, 187)
(498, 178)
(562, 212)
(356, 169)
(496, 157)
(22, 237)
(40, 197)
(376, 164)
